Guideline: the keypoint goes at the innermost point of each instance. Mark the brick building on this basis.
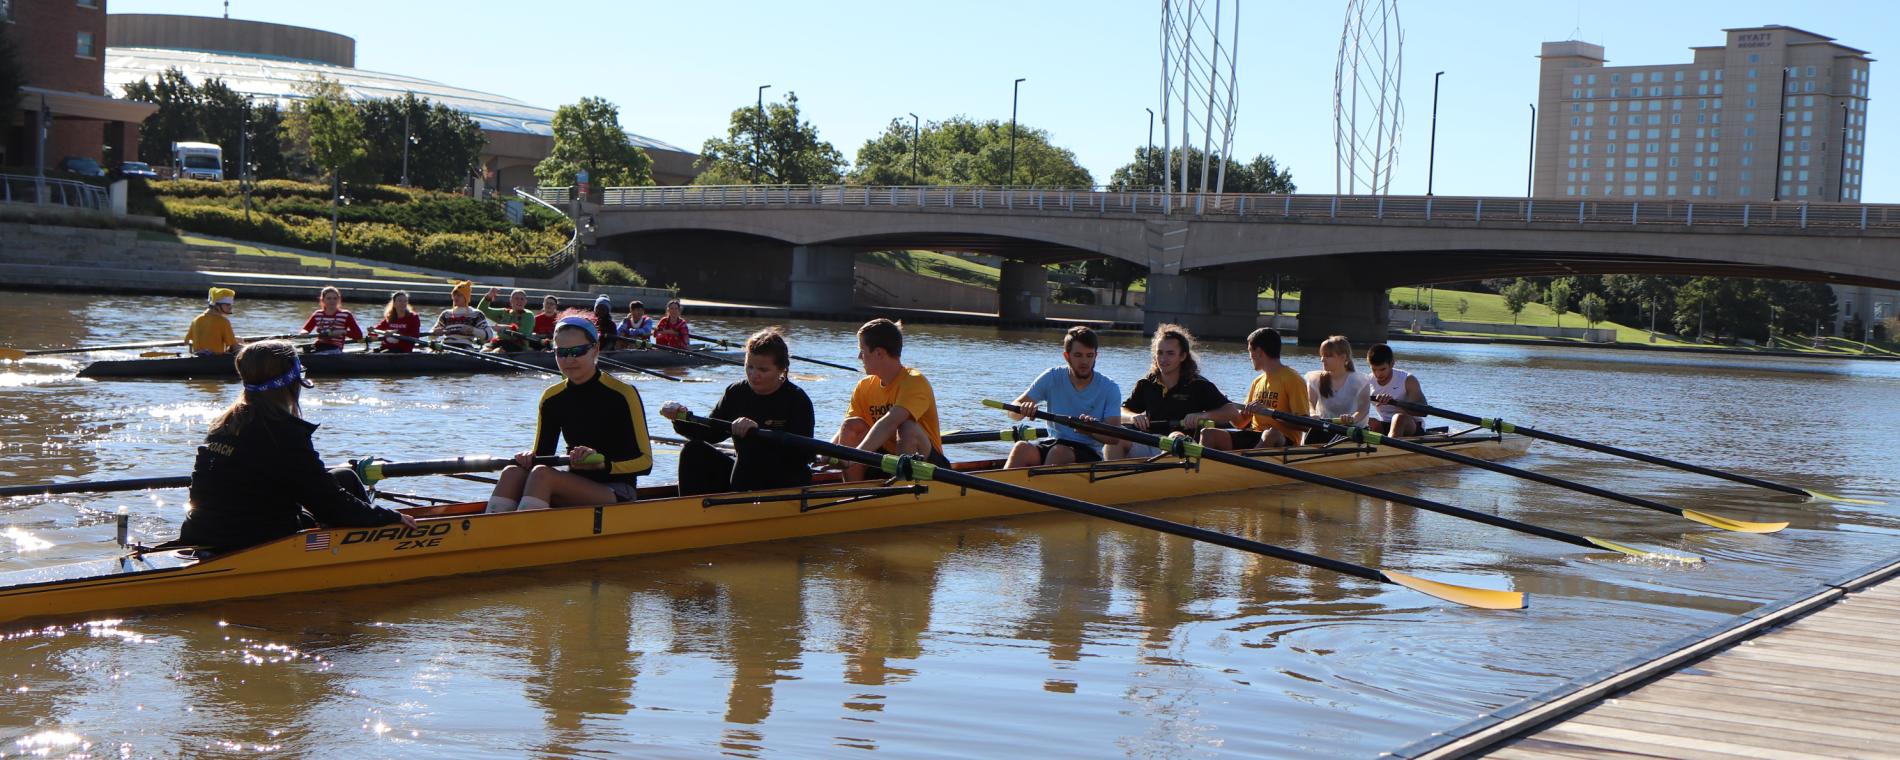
(62, 48)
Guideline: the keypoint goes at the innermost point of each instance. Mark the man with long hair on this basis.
(1173, 395)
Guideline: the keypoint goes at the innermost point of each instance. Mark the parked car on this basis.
(140, 169)
(81, 166)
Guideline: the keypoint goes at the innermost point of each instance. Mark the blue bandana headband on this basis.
(295, 375)
(585, 324)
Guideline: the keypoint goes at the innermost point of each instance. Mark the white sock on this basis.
(529, 502)
(502, 504)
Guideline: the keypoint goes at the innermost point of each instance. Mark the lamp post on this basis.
(1431, 159)
(758, 136)
(407, 99)
(1840, 178)
(1014, 89)
(1781, 131)
(244, 159)
(1531, 162)
(916, 144)
(1147, 161)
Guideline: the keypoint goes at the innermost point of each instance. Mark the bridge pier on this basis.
(823, 278)
(1360, 314)
(1206, 303)
(1021, 292)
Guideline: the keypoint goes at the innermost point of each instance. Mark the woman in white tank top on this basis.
(1337, 392)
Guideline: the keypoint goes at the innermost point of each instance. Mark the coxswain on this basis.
(210, 333)
(333, 325)
(672, 331)
(544, 319)
(258, 477)
(765, 399)
(1277, 388)
(1337, 392)
(1074, 390)
(604, 322)
(1173, 394)
(1389, 384)
(513, 326)
(398, 319)
(893, 408)
(461, 324)
(592, 413)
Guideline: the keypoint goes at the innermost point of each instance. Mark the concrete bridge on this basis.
(1206, 253)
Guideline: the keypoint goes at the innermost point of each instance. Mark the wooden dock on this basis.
(1814, 677)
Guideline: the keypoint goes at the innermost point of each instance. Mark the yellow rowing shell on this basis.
(457, 540)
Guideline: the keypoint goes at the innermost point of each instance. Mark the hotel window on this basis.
(1570, 176)
(1675, 118)
(84, 45)
(1703, 75)
(1801, 175)
(1649, 190)
(1748, 160)
(1751, 87)
(1753, 58)
(88, 3)
(1593, 79)
(1787, 145)
(1748, 117)
(1712, 178)
(1697, 175)
(1675, 133)
(1718, 88)
(1807, 116)
(1810, 71)
(1629, 162)
(1674, 148)
(1573, 135)
(1611, 148)
(1743, 189)
(1590, 93)
(1670, 176)
(1806, 101)
(1615, 106)
(1576, 79)
(1649, 163)
(1586, 134)
(1636, 105)
(1577, 93)
(1695, 190)
(1616, 92)
(1653, 134)
(1636, 78)
(1586, 176)
(1806, 131)
(1807, 86)
(1702, 89)
(1745, 176)
(1678, 75)
(1786, 175)
(1591, 107)
(1576, 121)
(1718, 75)
(1801, 190)
(1632, 134)
(1616, 78)
(1804, 159)
(1589, 121)
(1573, 163)
(1652, 148)
(1751, 72)
(1748, 146)
(1573, 150)
(1787, 132)
(1570, 190)
(1718, 104)
(1678, 90)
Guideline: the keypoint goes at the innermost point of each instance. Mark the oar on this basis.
(1500, 426)
(373, 472)
(1362, 435)
(1188, 449)
(910, 468)
(504, 361)
(682, 351)
(8, 353)
(723, 343)
(1006, 435)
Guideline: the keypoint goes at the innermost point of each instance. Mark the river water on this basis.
(1047, 635)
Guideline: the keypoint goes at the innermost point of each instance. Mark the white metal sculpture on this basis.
(1199, 64)
(1367, 110)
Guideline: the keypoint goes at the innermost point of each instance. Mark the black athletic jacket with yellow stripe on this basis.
(603, 414)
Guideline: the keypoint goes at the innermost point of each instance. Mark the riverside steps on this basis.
(1817, 676)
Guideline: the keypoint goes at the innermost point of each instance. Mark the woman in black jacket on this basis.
(765, 399)
(258, 477)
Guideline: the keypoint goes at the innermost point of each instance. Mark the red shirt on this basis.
(332, 330)
(409, 324)
(672, 333)
(544, 323)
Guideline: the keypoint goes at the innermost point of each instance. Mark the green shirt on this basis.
(500, 318)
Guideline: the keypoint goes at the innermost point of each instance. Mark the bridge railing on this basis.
(1263, 207)
(22, 188)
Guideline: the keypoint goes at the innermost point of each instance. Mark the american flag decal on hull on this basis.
(316, 541)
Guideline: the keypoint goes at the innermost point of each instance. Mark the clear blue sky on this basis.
(678, 69)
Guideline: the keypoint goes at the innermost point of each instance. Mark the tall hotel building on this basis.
(1710, 129)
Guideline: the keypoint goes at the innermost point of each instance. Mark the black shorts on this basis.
(1083, 454)
(1245, 439)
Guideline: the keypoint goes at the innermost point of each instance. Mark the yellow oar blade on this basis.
(1739, 526)
(1481, 598)
(1635, 552)
(8, 353)
(1812, 495)
(156, 354)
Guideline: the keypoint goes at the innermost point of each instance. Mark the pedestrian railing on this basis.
(1262, 207)
(21, 188)
(558, 260)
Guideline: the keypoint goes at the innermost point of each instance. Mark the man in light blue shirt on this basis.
(1076, 391)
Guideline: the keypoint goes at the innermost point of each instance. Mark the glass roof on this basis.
(276, 78)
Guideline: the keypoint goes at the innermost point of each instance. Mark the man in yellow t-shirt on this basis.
(893, 409)
(1277, 388)
(210, 333)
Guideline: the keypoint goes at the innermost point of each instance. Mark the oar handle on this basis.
(1006, 435)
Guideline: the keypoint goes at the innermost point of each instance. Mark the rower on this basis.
(398, 319)
(1173, 393)
(672, 331)
(258, 477)
(210, 333)
(1388, 384)
(593, 412)
(1277, 388)
(893, 408)
(1076, 390)
(604, 322)
(331, 323)
(637, 326)
(544, 319)
(765, 399)
(460, 324)
(514, 326)
(1336, 392)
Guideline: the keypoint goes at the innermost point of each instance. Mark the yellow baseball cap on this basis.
(221, 295)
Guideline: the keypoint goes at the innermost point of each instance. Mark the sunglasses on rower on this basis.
(573, 352)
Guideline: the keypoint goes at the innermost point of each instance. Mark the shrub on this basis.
(610, 273)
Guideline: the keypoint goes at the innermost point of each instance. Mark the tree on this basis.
(1650, 292)
(1261, 175)
(325, 126)
(1464, 305)
(961, 151)
(445, 145)
(1118, 273)
(1557, 298)
(12, 71)
(587, 135)
(1517, 295)
(179, 116)
(1593, 308)
(781, 147)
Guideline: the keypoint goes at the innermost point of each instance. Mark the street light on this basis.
(1147, 162)
(916, 143)
(1431, 160)
(1531, 162)
(407, 99)
(1014, 89)
(1840, 178)
(758, 136)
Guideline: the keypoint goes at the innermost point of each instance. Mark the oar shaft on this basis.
(686, 352)
(1506, 427)
(128, 484)
(148, 344)
(729, 344)
(384, 470)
